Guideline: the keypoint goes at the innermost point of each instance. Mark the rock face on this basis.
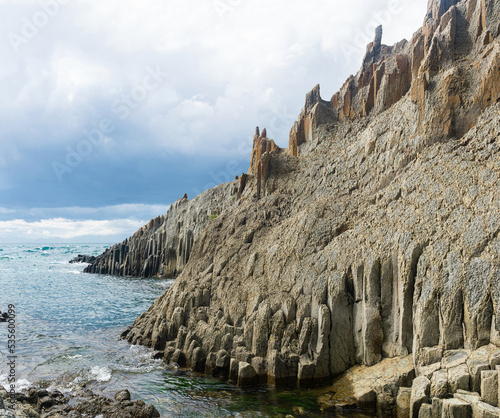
(375, 236)
(163, 246)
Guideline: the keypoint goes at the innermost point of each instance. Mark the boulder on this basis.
(122, 395)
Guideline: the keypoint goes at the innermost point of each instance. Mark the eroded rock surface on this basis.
(375, 236)
(163, 246)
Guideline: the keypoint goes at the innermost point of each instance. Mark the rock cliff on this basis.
(374, 236)
(163, 246)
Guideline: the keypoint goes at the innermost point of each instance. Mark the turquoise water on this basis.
(68, 329)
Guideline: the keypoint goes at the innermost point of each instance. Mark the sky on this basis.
(111, 110)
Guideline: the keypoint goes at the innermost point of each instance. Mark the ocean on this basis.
(67, 333)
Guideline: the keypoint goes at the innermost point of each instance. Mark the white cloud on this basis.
(125, 211)
(226, 74)
(20, 230)
(67, 73)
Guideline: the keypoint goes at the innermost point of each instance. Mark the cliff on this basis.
(374, 236)
(163, 246)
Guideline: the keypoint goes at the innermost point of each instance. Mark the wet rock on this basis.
(83, 403)
(122, 395)
(246, 374)
(45, 402)
(81, 258)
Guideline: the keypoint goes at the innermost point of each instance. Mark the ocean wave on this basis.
(101, 373)
(93, 374)
(21, 384)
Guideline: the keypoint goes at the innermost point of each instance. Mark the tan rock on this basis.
(419, 395)
(403, 402)
(484, 410)
(455, 408)
(489, 387)
(458, 378)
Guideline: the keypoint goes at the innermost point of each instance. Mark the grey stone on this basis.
(246, 374)
(439, 384)
(419, 394)
(484, 410)
(489, 387)
(122, 395)
(458, 378)
(403, 402)
(476, 366)
(455, 408)
(372, 236)
(425, 411)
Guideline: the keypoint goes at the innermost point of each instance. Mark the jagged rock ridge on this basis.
(163, 246)
(375, 235)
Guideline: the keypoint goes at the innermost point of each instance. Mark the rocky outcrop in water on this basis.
(163, 246)
(374, 236)
(81, 258)
(40, 403)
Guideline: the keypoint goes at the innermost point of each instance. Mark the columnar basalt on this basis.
(163, 246)
(376, 236)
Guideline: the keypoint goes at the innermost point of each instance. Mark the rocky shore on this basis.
(373, 239)
(39, 403)
(81, 258)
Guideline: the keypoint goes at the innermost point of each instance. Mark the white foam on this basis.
(75, 356)
(21, 384)
(101, 373)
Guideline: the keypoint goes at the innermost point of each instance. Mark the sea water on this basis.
(68, 328)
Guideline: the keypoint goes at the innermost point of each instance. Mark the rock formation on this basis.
(36, 402)
(163, 246)
(81, 258)
(375, 236)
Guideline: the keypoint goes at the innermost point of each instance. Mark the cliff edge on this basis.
(375, 235)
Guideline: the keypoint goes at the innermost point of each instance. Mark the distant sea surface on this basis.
(68, 329)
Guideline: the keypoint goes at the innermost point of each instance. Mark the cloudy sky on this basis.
(111, 110)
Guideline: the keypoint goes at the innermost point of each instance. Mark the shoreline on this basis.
(34, 403)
